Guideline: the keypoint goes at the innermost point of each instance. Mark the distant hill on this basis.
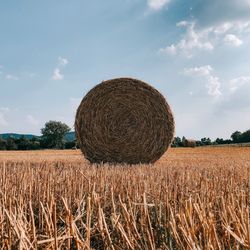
(68, 137)
(5, 136)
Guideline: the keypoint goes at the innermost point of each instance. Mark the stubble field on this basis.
(190, 199)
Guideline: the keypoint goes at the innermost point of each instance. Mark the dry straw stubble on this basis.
(124, 120)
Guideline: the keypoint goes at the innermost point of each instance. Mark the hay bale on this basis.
(189, 143)
(124, 120)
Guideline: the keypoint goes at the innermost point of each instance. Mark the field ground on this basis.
(192, 198)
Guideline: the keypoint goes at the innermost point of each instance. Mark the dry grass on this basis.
(193, 199)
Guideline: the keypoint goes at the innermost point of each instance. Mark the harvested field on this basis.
(193, 198)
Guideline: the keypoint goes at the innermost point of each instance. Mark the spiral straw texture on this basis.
(124, 120)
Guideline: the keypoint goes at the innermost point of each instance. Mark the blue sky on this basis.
(195, 52)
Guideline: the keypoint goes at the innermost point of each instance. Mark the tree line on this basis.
(236, 137)
(53, 137)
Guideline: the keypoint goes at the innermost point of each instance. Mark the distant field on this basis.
(192, 198)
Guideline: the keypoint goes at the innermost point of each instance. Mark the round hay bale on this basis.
(124, 120)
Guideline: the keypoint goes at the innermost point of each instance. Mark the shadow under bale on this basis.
(124, 120)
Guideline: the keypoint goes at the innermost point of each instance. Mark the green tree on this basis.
(219, 141)
(206, 141)
(22, 143)
(236, 136)
(245, 136)
(34, 143)
(183, 140)
(2, 144)
(10, 144)
(70, 144)
(176, 142)
(53, 134)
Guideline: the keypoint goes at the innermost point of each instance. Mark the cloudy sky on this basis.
(196, 52)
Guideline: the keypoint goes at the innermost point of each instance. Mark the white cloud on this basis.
(3, 120)
(196, 39)
(239, 27)
(198, 71)
(192, 40)
(212, 82)
(32, 120)
(238, 82)
(62, 61)
(57, 73)
(236, 102)
(243, 3)
(182, 24)
(223, 28)
(171, 50)
(213, 86)
(4, 109)
(11, 77)
(233, 40)
(157, 4)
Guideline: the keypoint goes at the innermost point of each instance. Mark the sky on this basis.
(196, 53)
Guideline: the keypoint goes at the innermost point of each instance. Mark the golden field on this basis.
(192, 198)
